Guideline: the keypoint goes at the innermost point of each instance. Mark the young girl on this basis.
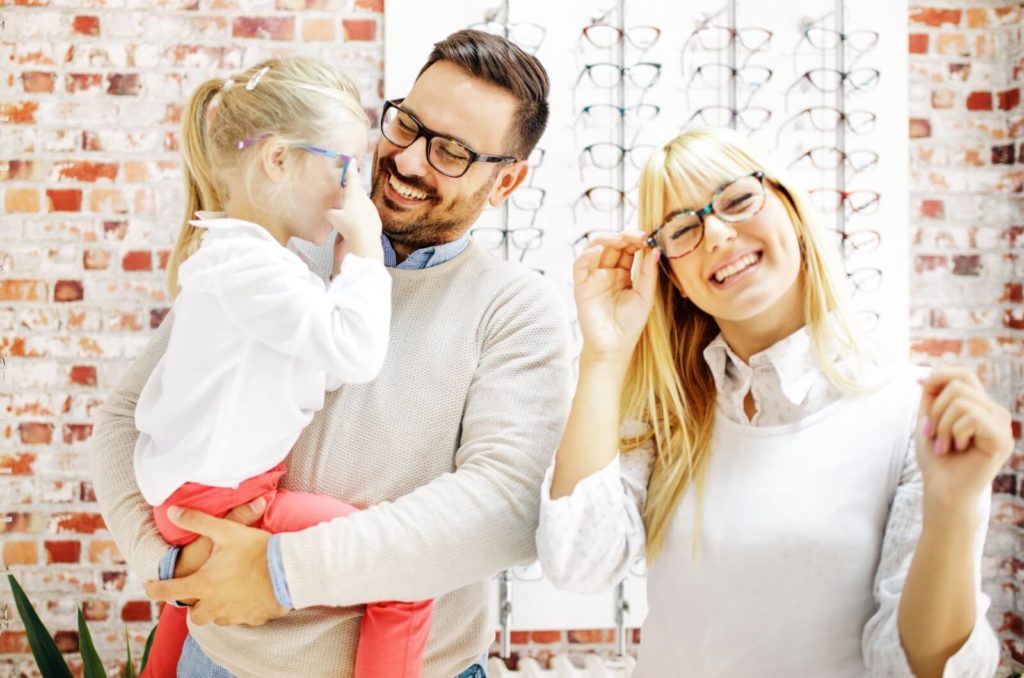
(805, 511)
(270, 155)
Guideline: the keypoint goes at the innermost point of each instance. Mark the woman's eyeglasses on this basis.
(736, 201)
(341, 160)
(445, 154)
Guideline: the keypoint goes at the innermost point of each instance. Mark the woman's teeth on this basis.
(405, 190)
(726, 272)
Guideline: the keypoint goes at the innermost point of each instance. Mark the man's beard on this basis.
(442, 222)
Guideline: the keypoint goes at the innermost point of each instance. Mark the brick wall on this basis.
(91, 98)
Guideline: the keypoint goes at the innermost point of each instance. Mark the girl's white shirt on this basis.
(810, 518)
(257, 340)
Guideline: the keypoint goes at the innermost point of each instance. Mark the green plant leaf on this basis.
(145, 653)
(91, 662)
(129, 667)
(48, 657)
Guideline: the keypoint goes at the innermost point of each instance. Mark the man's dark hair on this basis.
(500, 62)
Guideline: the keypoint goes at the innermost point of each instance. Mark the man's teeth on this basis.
(405, 190)
(732, 269)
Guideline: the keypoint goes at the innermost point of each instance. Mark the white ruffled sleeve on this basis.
(883, 652)
(586, 541)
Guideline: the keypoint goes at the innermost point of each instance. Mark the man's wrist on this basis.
(275, 564)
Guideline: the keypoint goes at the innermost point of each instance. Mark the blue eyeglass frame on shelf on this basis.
(346, 160)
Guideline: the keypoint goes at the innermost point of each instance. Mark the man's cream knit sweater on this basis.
(446, 449)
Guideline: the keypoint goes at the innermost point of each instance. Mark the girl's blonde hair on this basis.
(669, 386)
(294, 99)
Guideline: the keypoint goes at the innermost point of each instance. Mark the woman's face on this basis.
(745, 272)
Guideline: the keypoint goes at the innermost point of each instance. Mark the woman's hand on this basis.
(963, 438)
(612, 310)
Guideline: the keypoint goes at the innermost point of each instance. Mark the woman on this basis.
(806, 509)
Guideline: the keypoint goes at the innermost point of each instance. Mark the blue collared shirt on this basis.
(194, 663)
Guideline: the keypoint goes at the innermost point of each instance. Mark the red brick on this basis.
(932, 16)
(123, 84)
(920, 128)
(163, 256)
(137, 610)
(263, 28)
(85, 171)
(96, 610)
(19, 464)
(83, 523)
(104, 551)
(86, 25)
(96, 260)
(13, 170)
(979, 101)
(21, 552)
(62, 551)
(1009, 99)
(114, 581)
(933, 209)
(83, 82)
(23, 113)
(115, 230)
(156, 317)
(918, 43)
(76, 433)
(1003, 155)
(14, 642)
(64, 199)
(21, 200)
(83, 375)
(960, 72)
(977, 17)
(35, 433)
(1013, 293)
(371, 5)
(66, 641)
(37, 82)
(966, 264)
(68, 290)
(591, 636)
(943, 99)
(14, 290)
(137, 261)
(937, 347)
(91, 141)
(359, 29)
(1013, 319)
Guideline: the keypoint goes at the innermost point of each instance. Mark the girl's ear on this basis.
(273, 157)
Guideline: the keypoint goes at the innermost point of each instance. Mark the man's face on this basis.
(419, 206)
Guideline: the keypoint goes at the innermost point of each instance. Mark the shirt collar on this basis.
(426, 256)
(792, 359)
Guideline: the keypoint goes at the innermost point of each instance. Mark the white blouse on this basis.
(257, 340)
(586, 541)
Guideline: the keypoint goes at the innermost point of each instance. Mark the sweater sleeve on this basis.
(127, 515)
(464, 526)
(883, 652)
(587, 540)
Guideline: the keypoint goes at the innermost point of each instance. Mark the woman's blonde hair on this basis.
(669, 386)
(294, 99)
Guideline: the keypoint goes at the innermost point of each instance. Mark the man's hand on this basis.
(233, 586)
(194, 554)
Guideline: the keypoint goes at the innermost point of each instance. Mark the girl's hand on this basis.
(357, 220)
(963, 438)
(612, 310)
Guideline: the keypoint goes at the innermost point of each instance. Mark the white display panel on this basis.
(412, 27)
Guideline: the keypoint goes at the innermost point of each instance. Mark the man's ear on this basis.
(509, 179)
(273, 157)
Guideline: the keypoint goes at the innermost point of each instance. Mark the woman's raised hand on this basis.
(611, 307)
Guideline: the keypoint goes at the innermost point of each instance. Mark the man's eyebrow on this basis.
(406, 107)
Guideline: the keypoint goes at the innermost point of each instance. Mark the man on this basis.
(446, 448)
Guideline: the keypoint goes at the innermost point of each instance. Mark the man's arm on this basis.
(463, 526)
(127, 515)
